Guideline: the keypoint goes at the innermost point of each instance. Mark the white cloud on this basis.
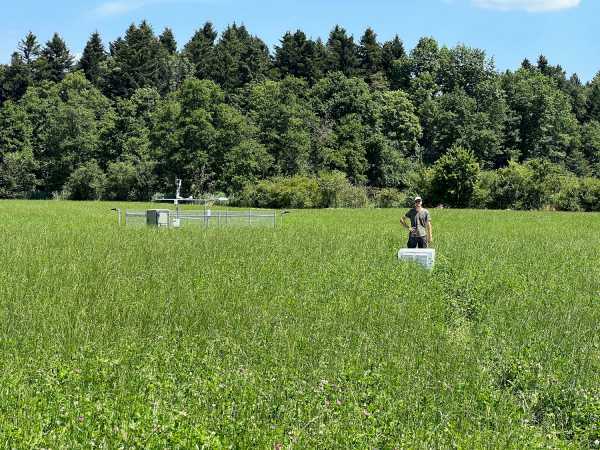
(118, 7)
(527, 5)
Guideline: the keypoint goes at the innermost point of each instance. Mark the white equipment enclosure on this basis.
(423, 256)
(157, 217)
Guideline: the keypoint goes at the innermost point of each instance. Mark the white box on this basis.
(423, 256)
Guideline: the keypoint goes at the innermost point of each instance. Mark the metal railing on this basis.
(208, 218)
(135, 218)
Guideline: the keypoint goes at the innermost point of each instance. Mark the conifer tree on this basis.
(93, 59)
(593, 99)
(167, 39)
(298, 56)
(239, 58)
(542, 63)
(370, 53)
(29, 48)
(526, 64)
(320, 58)
(20, 73)
(576, 91)
(392, 51)
(55, 60)
(343, 53)
(16, 79)
(138, 60)
(200, 50)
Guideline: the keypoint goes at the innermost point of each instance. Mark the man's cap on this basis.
(418, 199)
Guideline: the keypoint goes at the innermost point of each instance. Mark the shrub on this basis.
(389, 198)
(337, 192)
(331, 186)
(353, 197)
(330, 189)
(245, 163)
(544, 184)
(419, 182)
(454, 177)
(509, 188)
(17, 175)
(121, 178)
(280, 192)
(482, 192)
(129, 180)
(589, 194)
(87, 182)
(567, 194)
(536, 184)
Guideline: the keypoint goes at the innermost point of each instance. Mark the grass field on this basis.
(310, 335)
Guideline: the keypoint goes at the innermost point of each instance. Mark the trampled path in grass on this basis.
(309, 335)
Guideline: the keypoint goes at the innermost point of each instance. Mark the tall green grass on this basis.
(308, 335)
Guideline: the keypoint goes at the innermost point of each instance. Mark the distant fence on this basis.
(207, 218)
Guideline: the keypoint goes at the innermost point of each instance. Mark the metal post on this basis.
(118, 210)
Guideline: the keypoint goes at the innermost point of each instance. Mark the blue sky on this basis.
(509, 30)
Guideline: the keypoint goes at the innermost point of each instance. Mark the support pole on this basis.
(118, 210)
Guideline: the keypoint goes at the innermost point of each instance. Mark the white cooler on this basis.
(423, 256)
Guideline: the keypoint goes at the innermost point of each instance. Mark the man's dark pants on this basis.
(417, 242)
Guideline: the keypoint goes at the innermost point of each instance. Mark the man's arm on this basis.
(406, 223)
(403, 222)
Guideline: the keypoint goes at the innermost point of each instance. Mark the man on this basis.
(418, 225)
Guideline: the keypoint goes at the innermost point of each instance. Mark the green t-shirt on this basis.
(418, 221)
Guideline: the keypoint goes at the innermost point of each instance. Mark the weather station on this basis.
(206, 217)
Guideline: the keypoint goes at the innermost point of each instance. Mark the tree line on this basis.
(226, 114)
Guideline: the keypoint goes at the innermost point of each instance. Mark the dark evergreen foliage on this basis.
(299, 56)
(93, 59)
(16, 78)
(55, 60)
(239, 58)
(370, 53)
(392, 51)
(167, 39)
(138, 60)
(593, 99)
(342, 52)
(29, 48)
(200, 50)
